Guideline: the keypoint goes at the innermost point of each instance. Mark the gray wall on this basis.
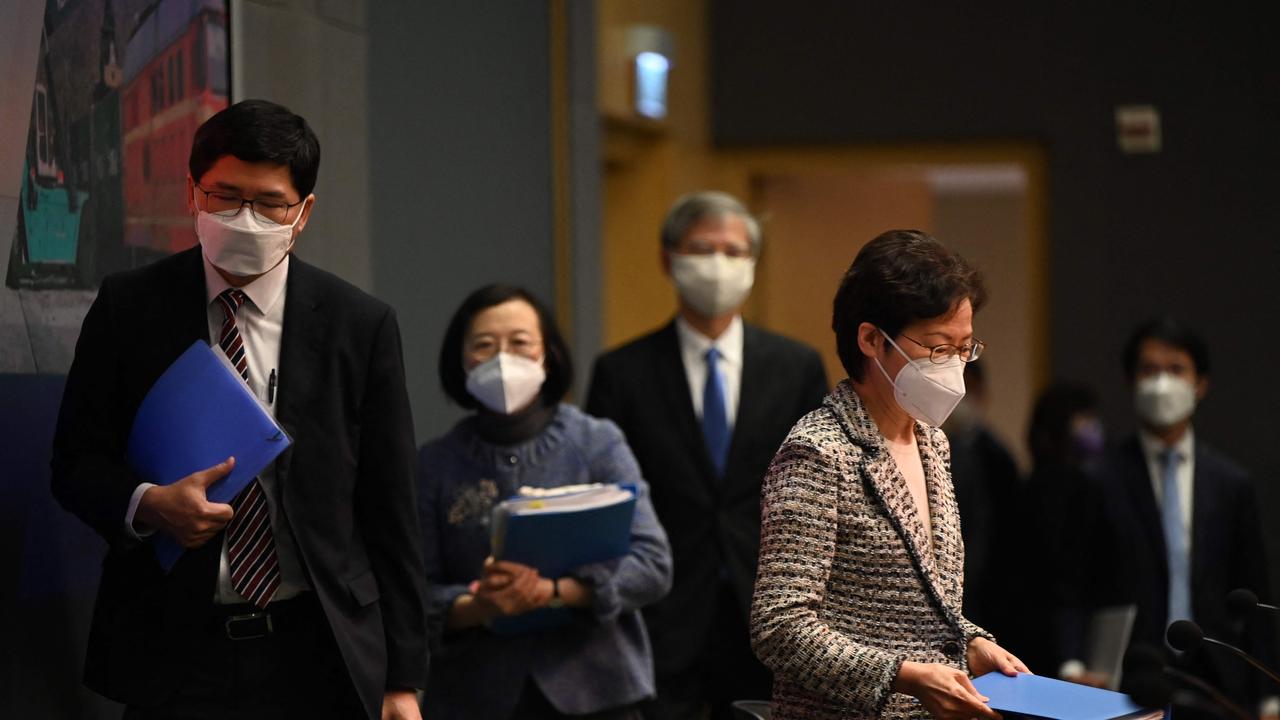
(435, 124)
(460, 122)
(312, 56)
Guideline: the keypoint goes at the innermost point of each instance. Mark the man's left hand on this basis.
(400, 705)
(986, 656)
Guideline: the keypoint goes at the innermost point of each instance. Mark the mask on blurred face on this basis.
(506, 383)
(1088, 438)
(712, 284)
(1164, 399)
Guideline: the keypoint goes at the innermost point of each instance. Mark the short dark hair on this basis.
(1170, 331)
(1049, 433)
(258, 131)
(900, 277)
(556, 360)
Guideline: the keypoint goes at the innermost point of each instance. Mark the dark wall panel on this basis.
(831, 71)
(49, 562)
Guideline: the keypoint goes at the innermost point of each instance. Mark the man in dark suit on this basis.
(986, 482)
(705, 402)
(1185, 516)
(305, 597)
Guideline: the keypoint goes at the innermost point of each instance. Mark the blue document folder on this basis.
(197, 414)
(1044, 697)
(558, 534)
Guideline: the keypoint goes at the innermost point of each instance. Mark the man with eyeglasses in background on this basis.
(304, 597)
(704, 402)
(1186, 519)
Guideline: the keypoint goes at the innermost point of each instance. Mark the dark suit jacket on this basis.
(346, 485)
(713, 524)
(1227, 552)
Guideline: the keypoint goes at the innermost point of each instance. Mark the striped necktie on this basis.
(251, 547)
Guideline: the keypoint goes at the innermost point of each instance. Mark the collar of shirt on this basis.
(694, 345)
(1153, 448)
(1153, 452)
(264, 292)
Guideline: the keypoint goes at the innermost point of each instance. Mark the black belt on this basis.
(249, 622)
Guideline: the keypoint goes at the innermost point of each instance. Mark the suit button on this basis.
(951, 649)
(513, 459)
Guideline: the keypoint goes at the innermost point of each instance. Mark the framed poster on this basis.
(120, 88)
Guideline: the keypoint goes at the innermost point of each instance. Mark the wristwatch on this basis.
(556, 601)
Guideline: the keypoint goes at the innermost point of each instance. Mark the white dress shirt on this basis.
(260, 322)
(693, 350)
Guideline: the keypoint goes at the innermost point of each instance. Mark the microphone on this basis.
(1184, 635)
(1241, 602)
(1151, 681)
(1151, 690)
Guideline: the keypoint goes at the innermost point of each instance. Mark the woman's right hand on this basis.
(945, 692)
(511, 588)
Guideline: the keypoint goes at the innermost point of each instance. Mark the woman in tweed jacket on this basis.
(858, 593)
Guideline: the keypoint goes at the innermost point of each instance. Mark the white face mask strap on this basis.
(301, 208)
(895, 345)
(880, 365)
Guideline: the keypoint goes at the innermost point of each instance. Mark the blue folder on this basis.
(197, 414)
(1045, 697)
(557, 542)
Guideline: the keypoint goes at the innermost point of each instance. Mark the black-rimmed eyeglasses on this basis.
(229, 204)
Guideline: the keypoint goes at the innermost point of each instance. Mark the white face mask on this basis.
(1164, 400)
(244, 245)
(506, 383)
(925, 390)
(712, 284)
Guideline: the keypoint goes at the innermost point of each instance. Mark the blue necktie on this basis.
(715, 423)
(1175, 541)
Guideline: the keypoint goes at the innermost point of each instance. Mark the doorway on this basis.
(816, 220)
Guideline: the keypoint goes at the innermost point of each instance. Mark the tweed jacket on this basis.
(848, 586)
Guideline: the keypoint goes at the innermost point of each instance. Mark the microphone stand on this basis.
(1247, 658)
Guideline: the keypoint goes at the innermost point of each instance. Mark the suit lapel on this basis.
(1137, 478)
(890, 489)
(674, 385)
(183, 311)
(194, 308)
(301, 344)
(750, 403)
(1204, 511)
(948, 547)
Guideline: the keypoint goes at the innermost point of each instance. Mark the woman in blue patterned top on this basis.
(503, 357)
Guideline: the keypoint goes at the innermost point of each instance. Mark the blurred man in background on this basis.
(704, 402)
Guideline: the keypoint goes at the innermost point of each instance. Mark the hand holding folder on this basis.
(196, 415)
(1035, 696)
(557, 532)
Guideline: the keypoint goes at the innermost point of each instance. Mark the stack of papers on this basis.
(557, 531)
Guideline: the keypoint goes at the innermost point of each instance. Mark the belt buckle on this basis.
(248, 627)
